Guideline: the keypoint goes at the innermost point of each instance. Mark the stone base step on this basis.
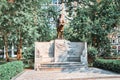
(59, 68)
(60, 65)
(50, 69)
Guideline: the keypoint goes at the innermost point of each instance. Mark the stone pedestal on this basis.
(66, 51)
(60, 51)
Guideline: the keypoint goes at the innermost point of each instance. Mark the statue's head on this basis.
(61, 15)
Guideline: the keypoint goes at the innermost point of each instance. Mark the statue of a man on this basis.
(60, 26)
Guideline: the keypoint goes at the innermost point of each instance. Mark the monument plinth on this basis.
(60, 51)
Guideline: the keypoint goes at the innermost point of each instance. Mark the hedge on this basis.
(10, 69)
(112, 65)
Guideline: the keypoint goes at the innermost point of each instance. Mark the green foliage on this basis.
(10, 69)
(112, 65)
(40, 29)
(27, 19)
(31, 18)
(92, 52)
(114, 53)
(93, 22)
(28, 63)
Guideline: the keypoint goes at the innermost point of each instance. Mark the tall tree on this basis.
(5, 23)
(33, 24)
(94, 20)
(24, 22)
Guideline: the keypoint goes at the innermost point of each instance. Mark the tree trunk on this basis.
(19, 50)
(6, 46)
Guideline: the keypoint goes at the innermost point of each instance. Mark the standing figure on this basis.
(60, 26)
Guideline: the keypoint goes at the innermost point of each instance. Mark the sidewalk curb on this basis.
(13, 78)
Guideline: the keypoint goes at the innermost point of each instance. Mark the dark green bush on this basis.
(10, 69)
(28, 63)
(92, 52)
(112, 65)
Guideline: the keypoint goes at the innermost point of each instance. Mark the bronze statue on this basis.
(60, 26)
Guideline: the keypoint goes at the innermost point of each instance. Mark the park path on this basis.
(68, 74)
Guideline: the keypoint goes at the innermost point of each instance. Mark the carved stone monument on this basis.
(60, 51)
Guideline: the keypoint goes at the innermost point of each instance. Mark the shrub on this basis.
(28, 63)
(112, 65)
(10, 69)
(92, 55)
(92, 52)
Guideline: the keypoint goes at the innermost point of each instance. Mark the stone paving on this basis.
(68, 74)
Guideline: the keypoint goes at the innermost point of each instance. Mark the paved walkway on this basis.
(69, 74)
